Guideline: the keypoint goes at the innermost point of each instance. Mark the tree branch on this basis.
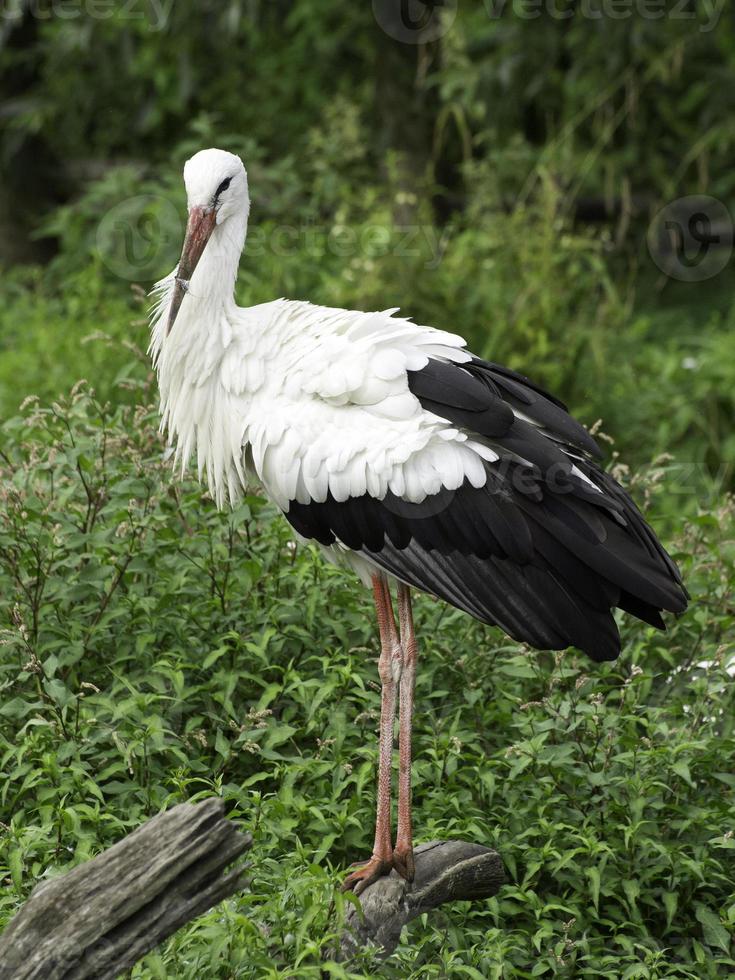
(100, 918)
(446, 871)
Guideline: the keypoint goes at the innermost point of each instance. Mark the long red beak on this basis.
(198, 231)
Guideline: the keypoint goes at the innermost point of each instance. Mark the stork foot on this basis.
(364, 875)
(404, 863)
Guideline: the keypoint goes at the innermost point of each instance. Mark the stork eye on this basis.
(222, 187)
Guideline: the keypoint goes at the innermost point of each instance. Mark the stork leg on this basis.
(389, 668)
(403, 852)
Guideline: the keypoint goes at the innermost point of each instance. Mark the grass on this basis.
(155, 651)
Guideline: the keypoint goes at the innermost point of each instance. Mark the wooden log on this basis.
(100, 918)
(446, 871)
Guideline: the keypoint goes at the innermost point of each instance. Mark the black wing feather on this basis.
(537, 404)
(537, 550)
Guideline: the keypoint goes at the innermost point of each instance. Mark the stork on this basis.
(406, 459)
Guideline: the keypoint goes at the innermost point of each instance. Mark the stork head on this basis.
(216, 190)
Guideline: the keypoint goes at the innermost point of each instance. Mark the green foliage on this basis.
(638, 96)
(46, 333)
(155, 650)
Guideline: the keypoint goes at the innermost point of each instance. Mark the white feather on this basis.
(315, 400)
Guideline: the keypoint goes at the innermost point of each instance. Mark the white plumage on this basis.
(310, 399)
(319, 396)
(403, 455)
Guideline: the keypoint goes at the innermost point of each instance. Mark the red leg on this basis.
(403, 852)
(389, 667)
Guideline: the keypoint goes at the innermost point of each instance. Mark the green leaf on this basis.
(637, 970)
(594, 877)
(15, 708)
(57, 690)
(213, 657)
(725, 777)
(632, 890)
(670, 900)
(221, 745)
(15, 865)
(682, 769)
(713, 931)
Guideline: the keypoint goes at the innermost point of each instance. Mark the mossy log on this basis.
(100, 918)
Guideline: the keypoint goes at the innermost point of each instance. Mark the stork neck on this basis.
(212, 286)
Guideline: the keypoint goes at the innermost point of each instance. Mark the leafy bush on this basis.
(155, 650)
(46, 331)
(609, 102)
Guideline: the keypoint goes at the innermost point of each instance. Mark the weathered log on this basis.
(100, 918)
(446, 871)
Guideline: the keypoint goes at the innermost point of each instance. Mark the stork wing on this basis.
(465, 480)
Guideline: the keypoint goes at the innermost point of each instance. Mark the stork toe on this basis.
(359, 879)
(403, 862)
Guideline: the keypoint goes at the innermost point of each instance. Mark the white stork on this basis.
(406, 459)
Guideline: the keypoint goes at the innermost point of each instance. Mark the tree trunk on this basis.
(100, 918)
